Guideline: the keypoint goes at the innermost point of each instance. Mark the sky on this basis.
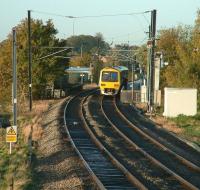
(115, 29)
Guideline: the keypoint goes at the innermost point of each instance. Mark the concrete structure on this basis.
(180, 101)
(157, 97)
(157, 73)
(144, 94)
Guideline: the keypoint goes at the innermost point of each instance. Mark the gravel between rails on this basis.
(168, 159)
(163, 136)
(151, 175)
(57, 165)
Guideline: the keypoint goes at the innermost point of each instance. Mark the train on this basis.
(112, 79)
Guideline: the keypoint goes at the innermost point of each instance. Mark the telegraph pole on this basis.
(148, 68)
(152, 34)
(132, 81)
(14, 59)
(29, 60)
(11, 132)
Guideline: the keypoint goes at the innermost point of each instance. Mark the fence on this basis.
(135, 96)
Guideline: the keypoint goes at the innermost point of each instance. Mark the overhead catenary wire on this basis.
(143, 13)
(145, 18)
(124, 35)
(90, 16)
(53, 54)
(54, 47)
(139, 42)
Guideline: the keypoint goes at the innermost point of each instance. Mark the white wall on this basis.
(157, 74)
(143, 93)
(180, 101)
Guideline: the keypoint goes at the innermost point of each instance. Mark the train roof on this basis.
(119, 68)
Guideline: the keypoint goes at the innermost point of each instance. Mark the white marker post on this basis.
(10, 148)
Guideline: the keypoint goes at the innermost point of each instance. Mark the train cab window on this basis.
(109, 76)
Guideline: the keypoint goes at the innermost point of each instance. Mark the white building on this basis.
(180, 101)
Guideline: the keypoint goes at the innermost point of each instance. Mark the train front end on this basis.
(109, 82)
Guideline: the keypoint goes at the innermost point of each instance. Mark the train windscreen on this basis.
(109, 76)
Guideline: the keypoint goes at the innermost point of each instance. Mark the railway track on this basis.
(183, 170)
(105, 170)
(148, 170)
(118, 156)
(162, 136)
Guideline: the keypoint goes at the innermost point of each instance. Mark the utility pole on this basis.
(29, 60)
(132, 83)
(149, 44)
(151, 59)
(14, 87)
(133, 71)
(14, 59)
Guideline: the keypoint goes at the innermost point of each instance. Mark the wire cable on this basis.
(145, 18)
(90, 16)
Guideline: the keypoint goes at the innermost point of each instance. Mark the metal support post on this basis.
(151, 61)
(132, 84)
(14, 59)
(153, 32)
(14, 86)
(29, 60)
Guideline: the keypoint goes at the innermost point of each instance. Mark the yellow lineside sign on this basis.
(11, 134)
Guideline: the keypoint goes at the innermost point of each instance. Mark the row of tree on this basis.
(181, 49)
(85, 50)
(44, 70)
(180, 46)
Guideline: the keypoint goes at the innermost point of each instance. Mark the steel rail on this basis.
(130, 177)
(95, 178)
(183, 160)
(87, 165)
(179, 178)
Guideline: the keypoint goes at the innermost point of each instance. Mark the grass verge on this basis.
(15, 169)
(190, 126)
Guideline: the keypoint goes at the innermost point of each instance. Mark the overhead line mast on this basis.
(29, 60)
(151, 60)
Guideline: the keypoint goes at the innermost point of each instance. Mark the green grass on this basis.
(15, 165)
(190, 126)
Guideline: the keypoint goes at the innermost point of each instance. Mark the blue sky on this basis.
(120, 29)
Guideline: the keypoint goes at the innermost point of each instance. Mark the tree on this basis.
(85, 60)
(5, 71)
(167, 43)
(175, 43)
(91, 48)
(87, 44)
(44, 71)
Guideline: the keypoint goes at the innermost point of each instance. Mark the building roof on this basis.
(78, 70)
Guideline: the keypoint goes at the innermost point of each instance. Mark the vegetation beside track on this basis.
(186, 127)
(15, 169)
(190, 126)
